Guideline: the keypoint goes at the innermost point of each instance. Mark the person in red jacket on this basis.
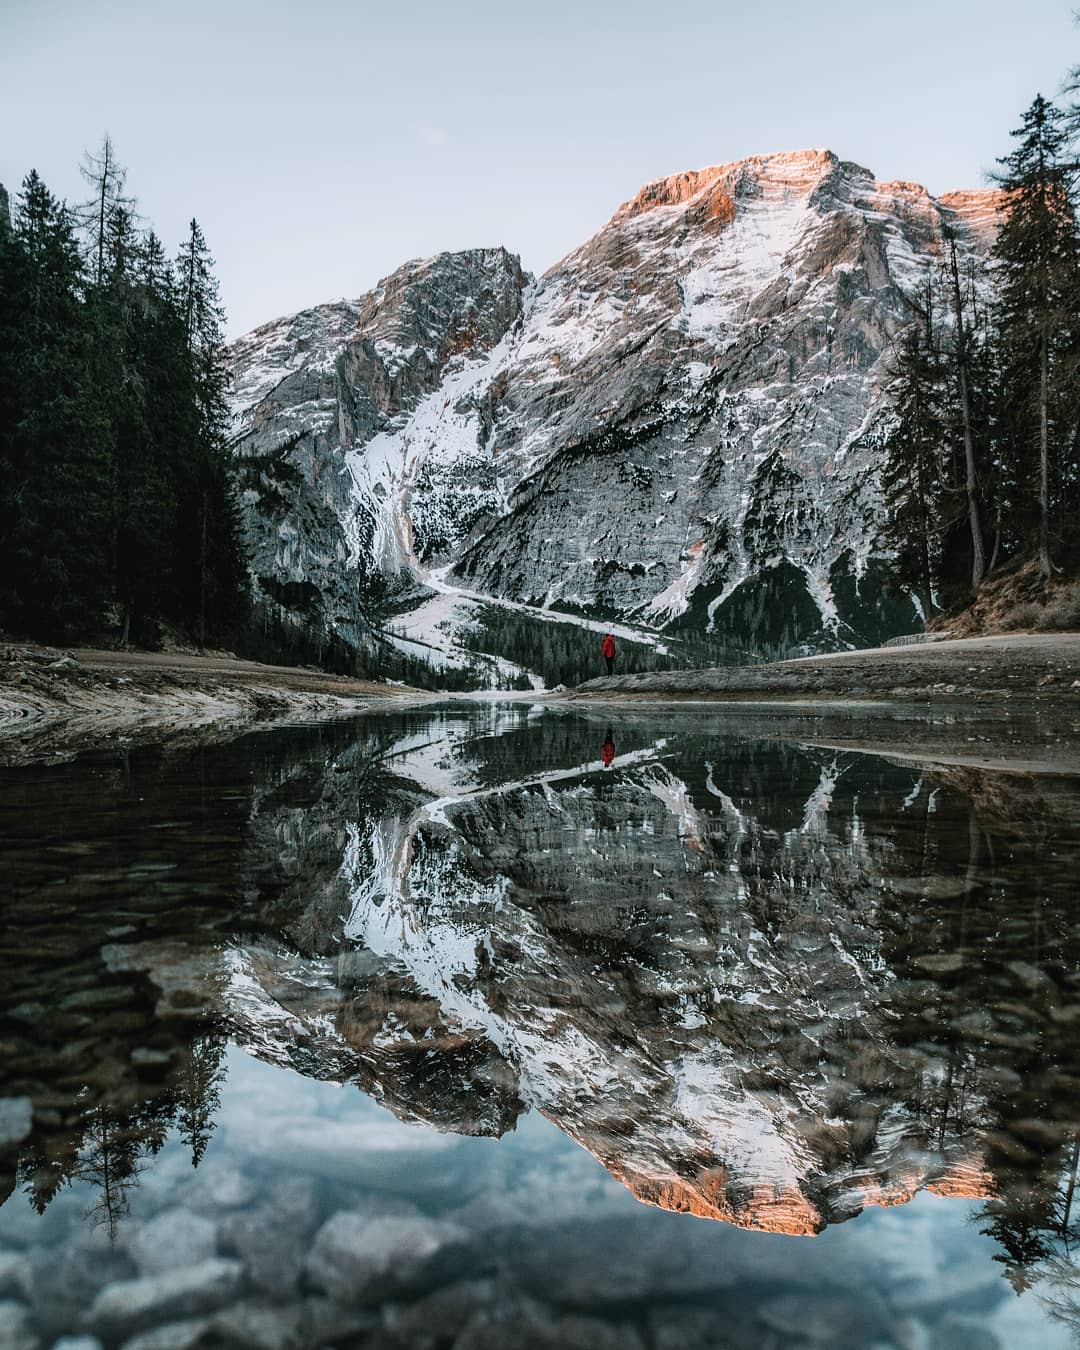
(608, 648)
(607, 750)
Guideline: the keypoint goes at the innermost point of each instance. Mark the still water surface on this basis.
(500, 1026)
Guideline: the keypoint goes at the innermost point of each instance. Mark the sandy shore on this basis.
(54, 702)
(1024, 666)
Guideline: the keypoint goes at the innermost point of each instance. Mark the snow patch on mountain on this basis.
(676, 423)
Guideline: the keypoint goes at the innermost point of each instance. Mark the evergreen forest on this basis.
(118, 513)
(982, 446)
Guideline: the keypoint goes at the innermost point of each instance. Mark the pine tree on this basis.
(199, 1097)
(217, 583)
(53, 451)
(129, 314)
(106, 177)
(914, 449)
(1037, 265)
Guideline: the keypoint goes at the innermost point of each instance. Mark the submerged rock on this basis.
(16, 1275)
(368, 1258)
(441, 1315)
(135, 1305)
(16, 1327)
(259, 1326)
(326, 1321)
(16, 1119)
(190, 1334)
(172, 1239)
(524, 1324)
(273, 1239)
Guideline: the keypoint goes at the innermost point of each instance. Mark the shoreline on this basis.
(1028, 667)
(56, 703)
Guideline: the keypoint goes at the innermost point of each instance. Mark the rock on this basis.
(16, 1119)
(273, 1239)
(191, 1334)
(523, 1324)
(134, 1305)
(178, 968)
(584, 1265)
(323, 1320)
(16, 1327)
(144, 1057)
(172, 1239)
(63, 1289)
(440, 1316)
(366, 1259)
(368, 1154)
(259, 1326)
(64, 663)
(218, 1187)
(16, 1276)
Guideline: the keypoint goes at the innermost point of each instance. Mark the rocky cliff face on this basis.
(674, 425)
(313, 395)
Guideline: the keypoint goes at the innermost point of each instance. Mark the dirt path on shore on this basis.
(1028, 666)
(55, 702)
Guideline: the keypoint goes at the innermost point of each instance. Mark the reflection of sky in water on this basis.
(918, 1274)
(765, 981)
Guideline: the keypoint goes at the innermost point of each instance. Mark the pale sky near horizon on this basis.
(322, 144)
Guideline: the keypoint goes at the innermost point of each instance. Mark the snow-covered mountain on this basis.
(674, 425)
(721, 994)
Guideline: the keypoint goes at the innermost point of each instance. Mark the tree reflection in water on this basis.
(759, 980)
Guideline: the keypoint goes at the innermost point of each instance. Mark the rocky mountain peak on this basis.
(460, 301)
(676, 424)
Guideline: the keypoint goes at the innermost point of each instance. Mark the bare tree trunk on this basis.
(978, 556)
(1046, 567)
(202, 578)
(106, 168)
(925, 578)
(189, 301)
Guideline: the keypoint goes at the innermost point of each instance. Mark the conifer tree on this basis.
(52, 555)
(106, 177)
(141, 479)
(218, 582)
(912, 477)
(1037, 265)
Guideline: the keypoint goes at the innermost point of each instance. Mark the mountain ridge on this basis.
(709, 367)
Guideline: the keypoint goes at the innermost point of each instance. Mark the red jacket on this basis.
(608, 647)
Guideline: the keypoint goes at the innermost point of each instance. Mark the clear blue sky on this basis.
(323, 143)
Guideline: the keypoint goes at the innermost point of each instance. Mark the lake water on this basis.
(511, 1025)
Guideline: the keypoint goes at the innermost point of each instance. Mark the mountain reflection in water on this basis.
(761, 980)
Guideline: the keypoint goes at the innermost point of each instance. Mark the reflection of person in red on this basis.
(608, 648)
(607, 750)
